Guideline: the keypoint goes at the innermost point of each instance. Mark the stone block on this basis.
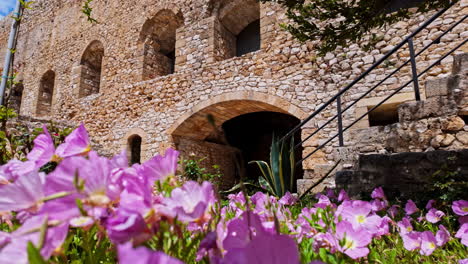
(437, 87)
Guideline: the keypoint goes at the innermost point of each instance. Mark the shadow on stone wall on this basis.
(407, 175)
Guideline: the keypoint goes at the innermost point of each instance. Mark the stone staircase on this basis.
(427, 131)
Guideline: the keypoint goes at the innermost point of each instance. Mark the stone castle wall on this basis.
(284, 76)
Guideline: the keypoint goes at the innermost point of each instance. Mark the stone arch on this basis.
(91, 69)
(239, 27)
(129, 136)
(157, 41)
(46, 93)
(203, 131)
(242, 102)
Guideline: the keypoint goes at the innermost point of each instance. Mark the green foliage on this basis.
(88, 10)
(17, 142)
(192, 170)
(90, 246)
(447, 185)
(34, 255)
(341, 22)
(279, 174)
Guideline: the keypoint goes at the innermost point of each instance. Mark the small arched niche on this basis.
(91, 69)
(134, 149)
(240, 27)
(46, 93)
(158, 41)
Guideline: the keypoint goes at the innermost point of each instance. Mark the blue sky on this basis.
(6, 6)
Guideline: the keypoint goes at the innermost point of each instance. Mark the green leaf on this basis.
(34, 256)
(323, 254)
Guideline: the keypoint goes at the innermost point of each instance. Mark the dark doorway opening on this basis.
(248, 40)
(384, 115)
(253, 133)
(134, 146)
(171, 56)
(465, 118)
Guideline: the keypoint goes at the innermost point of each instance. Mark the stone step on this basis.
(304, 184)
(318, 172)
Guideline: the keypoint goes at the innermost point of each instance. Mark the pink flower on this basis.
(379, 205)
(14, 169)
(428, 243)
(126, 225)
(240, 231)
(411, 208)
(160, 167)
(434, 215)
(76, 144)
(324, 202)
(190, 203)
(411, 241)
(288, 199)
(430, 204)
(96, 189)
(463, 261)
(358, 213)
(405, 226)
(354, 241)
(43, 150)
(460, 207)
(463, 234)
(378, 193)
(265, 249)
(142, 255)
(13, 249)
(442, 236)
(343, 196)
(26, 193)
(393, 211)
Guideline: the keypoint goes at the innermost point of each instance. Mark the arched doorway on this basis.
(253, 134)
(233, 129)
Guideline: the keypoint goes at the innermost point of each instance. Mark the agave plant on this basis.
(279, 174)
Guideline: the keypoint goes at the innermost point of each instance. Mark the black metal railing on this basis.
(415, 80)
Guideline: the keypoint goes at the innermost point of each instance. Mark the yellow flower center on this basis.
(409, 229)
(431, 245)
(99, 199)
(465, 209)
(78, 221)
(349, 243)
(360, 219)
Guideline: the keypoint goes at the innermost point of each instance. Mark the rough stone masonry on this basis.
(158, 68)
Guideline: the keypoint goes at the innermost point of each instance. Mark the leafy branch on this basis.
(88, 10)
(341, 22)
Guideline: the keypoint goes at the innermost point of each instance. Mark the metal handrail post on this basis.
(340, 121)
(414, 70)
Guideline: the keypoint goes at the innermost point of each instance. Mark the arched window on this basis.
(46, 92)
(248, 39)
(91, 69)
(240, 31)
(158, 38)
(134, 149)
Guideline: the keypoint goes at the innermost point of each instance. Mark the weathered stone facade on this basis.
(116, 76)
